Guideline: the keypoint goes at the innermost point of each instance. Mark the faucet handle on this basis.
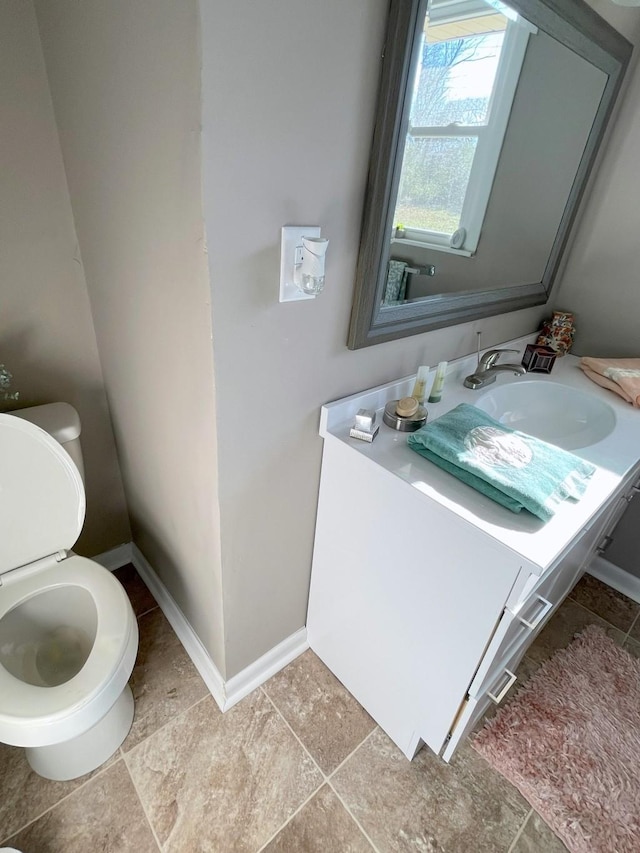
(491, 356)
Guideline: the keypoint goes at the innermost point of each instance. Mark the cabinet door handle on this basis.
(511, 680)
(537, 619)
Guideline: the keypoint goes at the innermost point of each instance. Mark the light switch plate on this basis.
(291, 238)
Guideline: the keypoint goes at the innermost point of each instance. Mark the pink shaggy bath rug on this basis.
(570, 742)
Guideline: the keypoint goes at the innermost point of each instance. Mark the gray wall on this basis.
(125, 80)
(286, 116)
(46, 328)
(601, 283)
(286, 141)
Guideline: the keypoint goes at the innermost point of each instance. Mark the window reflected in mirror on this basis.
(489, 119)
(500, 115)
(470, 59)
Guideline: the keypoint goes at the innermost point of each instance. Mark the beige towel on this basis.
(621, 375)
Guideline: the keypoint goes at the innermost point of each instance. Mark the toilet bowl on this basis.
(68, 635)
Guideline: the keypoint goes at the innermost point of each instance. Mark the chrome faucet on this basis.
(488, 367)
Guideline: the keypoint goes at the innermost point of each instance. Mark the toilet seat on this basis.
(42, 507)
(42, 500)
(38, 716)
(68, 634)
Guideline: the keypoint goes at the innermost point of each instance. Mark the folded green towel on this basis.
(510, 467)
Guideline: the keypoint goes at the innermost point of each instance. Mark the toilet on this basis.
(68, 634)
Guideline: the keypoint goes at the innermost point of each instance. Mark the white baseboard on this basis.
(225, 693)
(262, 669)
(115, 558)
(200, 657)
(614, 576)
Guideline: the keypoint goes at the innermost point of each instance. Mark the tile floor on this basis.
(297, 766)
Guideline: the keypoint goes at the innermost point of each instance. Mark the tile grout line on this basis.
(326, 778)
(96, 773)
(150, 610)
(142, 806)
(306, 751)
(352, 816)
(291, 817)
(99, 772)
(167, 723)
(353, 751)
(593, 613)
(633, 625)
(103, 769)
(520, 831)
(134, 748)
(602, 619)
(285, 721)
(339, 796)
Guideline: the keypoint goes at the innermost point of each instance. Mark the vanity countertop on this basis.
(614, 457)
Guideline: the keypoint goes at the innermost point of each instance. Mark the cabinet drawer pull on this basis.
(537, 619)
(511, 680)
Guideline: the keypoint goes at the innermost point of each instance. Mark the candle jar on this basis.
(557, 333)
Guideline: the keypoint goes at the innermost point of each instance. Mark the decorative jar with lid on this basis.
(557, 333)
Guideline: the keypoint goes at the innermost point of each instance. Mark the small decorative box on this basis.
(365, 427)
(538, 358)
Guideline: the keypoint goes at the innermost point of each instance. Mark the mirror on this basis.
(489, 118)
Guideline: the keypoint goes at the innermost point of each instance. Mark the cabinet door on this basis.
(404, 635)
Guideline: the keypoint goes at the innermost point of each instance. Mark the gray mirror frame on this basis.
(573, 23)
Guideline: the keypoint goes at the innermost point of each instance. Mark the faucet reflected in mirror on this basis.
(488, 368)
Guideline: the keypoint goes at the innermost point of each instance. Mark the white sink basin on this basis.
(556, 413)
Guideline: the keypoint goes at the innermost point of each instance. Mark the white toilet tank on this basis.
(62, 422)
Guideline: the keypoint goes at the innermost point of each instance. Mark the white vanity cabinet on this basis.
(525, 614)
(422, 606)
